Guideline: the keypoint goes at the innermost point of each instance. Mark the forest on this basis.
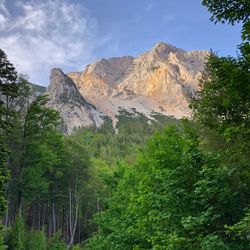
(166, 185)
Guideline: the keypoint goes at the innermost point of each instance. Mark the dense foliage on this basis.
(177, 196)
(223, 103)
(231, 11)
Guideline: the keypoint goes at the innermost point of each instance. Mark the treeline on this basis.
(43, 173)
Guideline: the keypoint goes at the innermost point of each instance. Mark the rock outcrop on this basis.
(74, 109)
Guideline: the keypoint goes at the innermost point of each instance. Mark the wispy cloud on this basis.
(46, 34)
(4, 15)
(149, 7)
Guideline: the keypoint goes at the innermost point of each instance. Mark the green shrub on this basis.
(16, 237)
(36, 240)
(56, 243)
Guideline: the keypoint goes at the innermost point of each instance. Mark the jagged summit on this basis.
(164, 49)
(62, 86)
(111, 70)
(160, 80)
(73, 108)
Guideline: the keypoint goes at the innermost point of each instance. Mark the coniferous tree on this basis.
(9, 88)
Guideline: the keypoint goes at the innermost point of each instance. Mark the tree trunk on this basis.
(72, 236)
(70, 212)
(53, 217)
(73, 228)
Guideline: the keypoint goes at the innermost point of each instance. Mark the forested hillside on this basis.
(164, 185)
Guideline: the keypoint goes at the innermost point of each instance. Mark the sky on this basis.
(38, 35)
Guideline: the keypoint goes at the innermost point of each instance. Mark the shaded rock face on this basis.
(37, 89)
(74, 109)
(160, 80)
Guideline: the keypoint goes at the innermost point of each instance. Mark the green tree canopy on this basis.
(231, 11)
(177, 196)
(223, 103)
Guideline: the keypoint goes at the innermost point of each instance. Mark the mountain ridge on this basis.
(161, 80)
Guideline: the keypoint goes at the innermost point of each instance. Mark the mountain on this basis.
(73, 108)
(37, 89)
(161, 80)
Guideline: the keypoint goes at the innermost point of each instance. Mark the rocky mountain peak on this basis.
(160, 80)
(165, 48)
(110, 70)
(73, 108)
(60, 85)
(162, 50)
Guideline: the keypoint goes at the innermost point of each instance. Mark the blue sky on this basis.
(38, 35)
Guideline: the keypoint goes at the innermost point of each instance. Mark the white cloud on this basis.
(4, 14)
(46, 34)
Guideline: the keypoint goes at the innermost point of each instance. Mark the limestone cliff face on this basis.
(73, 108)
(161, 80)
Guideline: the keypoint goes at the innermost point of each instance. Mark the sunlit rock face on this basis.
(160, 80)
